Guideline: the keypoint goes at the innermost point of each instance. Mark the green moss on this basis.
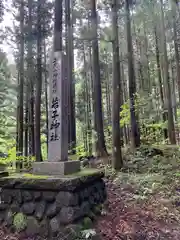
(20, 222)
(87, 223)
(84, 172)
(27, 176)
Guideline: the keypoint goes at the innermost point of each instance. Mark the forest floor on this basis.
(143, 199)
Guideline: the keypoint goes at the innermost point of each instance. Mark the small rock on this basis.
(2, 216)
(44, 229)
(37, 195)
(3, 206)
(66, 199)
(15, 208)
(28, 208)
(40, 209)
(54, 225)
(85, 208)
(52, 210)
(33, 226)
(18, 196)
(67, 215)
(8, 218)
(27, 196)
(49, 196)
(6, 196)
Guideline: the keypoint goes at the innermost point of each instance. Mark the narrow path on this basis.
(126, 219)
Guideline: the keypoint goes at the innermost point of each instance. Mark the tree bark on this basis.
(97, 95)
(116, 87)
(135, 133)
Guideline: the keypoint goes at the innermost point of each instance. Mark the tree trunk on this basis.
(97, 95)
(38, 84)
(164, 115)
(135, 133)
(46, 95)
(21, 84)
(70, 59)
(116, 87)
(171, 130)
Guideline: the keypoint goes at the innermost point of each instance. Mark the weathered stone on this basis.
(85, 208)
(8, 218)
(17, 195)
(66, 199)
(3, 206)
(91, 200)
(49, 196)
(51, 183)
(33, 226)
(37, 195)
(54, 225)
(44, 228)
(86, 193)
(28, 208)
(52, 210)
(58, 168)
(71, 232)
(27, 196)
(15, 208)
(6, 196)
(69, 214)
(2, 216)
(40, 210)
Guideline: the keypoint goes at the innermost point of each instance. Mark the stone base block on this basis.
(56, 168)
(47, 207)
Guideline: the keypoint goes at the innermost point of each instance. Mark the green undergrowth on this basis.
(83, 172)
(148, 176)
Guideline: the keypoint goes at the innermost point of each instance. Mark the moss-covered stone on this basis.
(87, 223)
(19, 222)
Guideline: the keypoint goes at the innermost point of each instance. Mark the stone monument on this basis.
(57, 163)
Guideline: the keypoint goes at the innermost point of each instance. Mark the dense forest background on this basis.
(123, 75)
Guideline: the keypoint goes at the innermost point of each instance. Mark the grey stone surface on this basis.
(28, 208)
(85, 208)
(44, 228)
(49, 196)
(40, 210)
(51, 183)
(51, 204)
(6, 196)
(52, 210)
(56, 168)
(33, 226)
(54, 225)
(69, 214)
(37, 195)
(66, 199)
(17, 196)
(27, 196)
(58, 89)
(15, 208)
(8, 218)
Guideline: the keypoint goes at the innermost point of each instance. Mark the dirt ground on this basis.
(144, 200)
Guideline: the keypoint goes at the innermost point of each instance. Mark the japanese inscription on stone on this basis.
(57, 150)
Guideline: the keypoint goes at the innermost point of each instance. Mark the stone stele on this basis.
(57, 163)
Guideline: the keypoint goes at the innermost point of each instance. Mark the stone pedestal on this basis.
(46, 206)
(56, 168)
